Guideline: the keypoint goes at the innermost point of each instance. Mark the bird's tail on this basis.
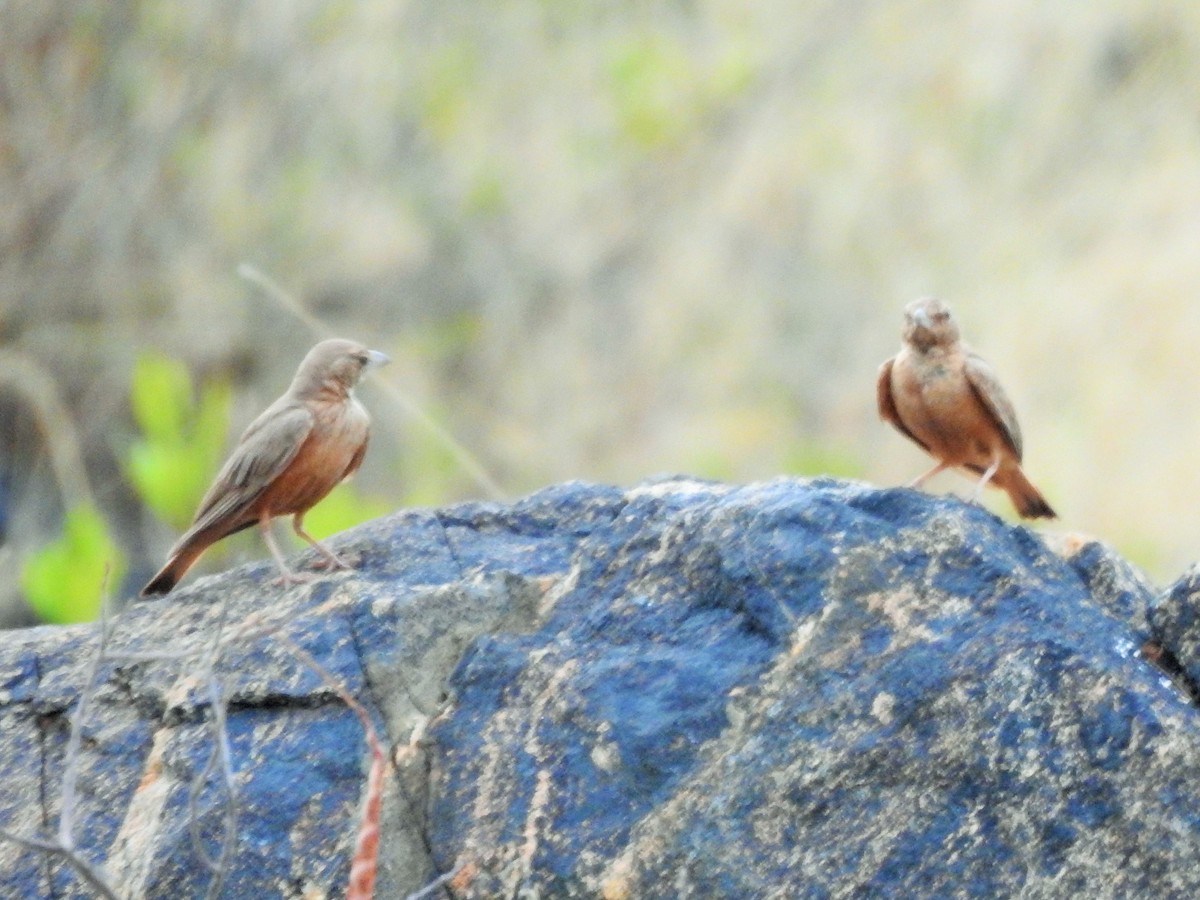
(182, 559)
(1025, 497)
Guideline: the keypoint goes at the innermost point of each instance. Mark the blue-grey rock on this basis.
(821, 690)
(390, 633)
(686, 689)
(1175, 631)
(1114, 583)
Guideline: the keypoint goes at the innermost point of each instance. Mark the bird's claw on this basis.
(335, 562)
(331, 564)
(289, 577)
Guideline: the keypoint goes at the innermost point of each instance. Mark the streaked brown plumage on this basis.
(290, 457)
(946, 399)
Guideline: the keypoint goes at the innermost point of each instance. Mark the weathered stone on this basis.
(788, 689)
(791, 690)
(1175, 625)
(390, 632)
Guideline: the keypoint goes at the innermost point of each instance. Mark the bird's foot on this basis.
(917, 483)
(334, 562)
(288, 577)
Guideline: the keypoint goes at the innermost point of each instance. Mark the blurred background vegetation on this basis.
(600, 240)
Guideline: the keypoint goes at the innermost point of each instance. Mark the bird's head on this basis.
(928, 323)
(336, 364)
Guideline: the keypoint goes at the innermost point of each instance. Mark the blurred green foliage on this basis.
(811, 459)
(171, 464)
(64, 581)
(486, 194)
(430, 473)
(596, 183)
(439, 472)
(661, 91)
(454, 69)
(343, 509)
(650, 79)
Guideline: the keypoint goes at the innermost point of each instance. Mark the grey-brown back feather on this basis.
(263, 453)
(987, 388)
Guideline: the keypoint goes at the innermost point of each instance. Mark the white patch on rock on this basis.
(881, 707)
(682, 487)
(606, 756)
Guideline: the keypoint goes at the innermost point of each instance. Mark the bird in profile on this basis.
(940, 394)
(297, 451)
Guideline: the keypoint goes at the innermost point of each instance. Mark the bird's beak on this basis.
(922, 319)
(375, 360)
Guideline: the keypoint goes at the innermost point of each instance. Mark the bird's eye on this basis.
(362, 358)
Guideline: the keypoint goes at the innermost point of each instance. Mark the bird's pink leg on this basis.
(332, 560)
(916, 483)
(286, 575)
(987, 476)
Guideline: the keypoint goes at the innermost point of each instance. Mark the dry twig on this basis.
(364, 865)
(220, 756)
(438, 882)
(63, 843)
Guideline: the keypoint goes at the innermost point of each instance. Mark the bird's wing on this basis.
(887, 404)
(987, 388)
(265, 450)
(359, 454)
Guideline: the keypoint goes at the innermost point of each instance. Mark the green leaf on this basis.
(64, 580)
(649, 80)
(161, 395)
(212, 421)
(169, 478)
(182, 440)
(448, 94)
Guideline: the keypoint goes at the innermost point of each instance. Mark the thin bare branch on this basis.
(63, 843)
(224, 756)
(220, 757)
(50, 845)
(364, 865)
(93, 876)
(198, 783)
(38, 387)
(66, 815)
(330, 681)
(121, 656)
(435, 884)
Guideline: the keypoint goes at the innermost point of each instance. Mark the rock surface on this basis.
(787, 689)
